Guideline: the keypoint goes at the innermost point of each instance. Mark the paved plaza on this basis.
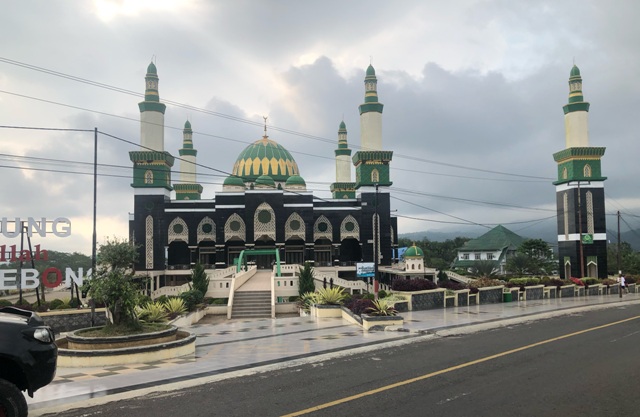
(229, 348)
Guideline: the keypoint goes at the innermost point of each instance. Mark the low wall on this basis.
(490, 295)
(424, 300)
(62, 321)
(534, 292)
(567, 291)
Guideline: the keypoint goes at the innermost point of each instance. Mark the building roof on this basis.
(497, 238)
(413, 252)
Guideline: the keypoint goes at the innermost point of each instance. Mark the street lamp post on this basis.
(376, 251)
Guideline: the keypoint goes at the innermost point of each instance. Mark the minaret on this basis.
(188, 188)
(151, 180)
(152, 164)
(372, 177)
(582, 237)
(343, 187)
(372, 163)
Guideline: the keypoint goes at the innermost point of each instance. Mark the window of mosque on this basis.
(148, 177)
(565, 173)
(375, 176)
(587, 171)
(294, 225)
(234, 225)
(264, 216)
(323, 227)
(178, 228)
(207, 228)
(349, 226)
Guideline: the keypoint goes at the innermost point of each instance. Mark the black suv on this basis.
(28, 358)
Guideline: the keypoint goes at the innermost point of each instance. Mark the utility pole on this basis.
(618, 257)
(376, 226)
(580, 231)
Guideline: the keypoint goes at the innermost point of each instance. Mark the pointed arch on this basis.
(586, 171)
(375, 176)
(590, 225)
(322, 229)
(235, 228)
(178, 230)
(206, 230)
(565, 173)
(148, 177)
(349, 228)
(148, 242)
(565, 214)
(294, 227)
(264, 222)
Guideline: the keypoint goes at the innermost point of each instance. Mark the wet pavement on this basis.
(224, 347)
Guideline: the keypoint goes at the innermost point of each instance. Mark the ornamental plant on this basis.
(152, 313)
(331, 296)
(381, 307)
(306, 300)
(174, 307)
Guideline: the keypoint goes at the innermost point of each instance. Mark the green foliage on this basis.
(175, 307)
(74, 303)
(199, 279)
(5, 303)
(382, 294)
(484, 269)
(485, 282)
(113, 284)
(524, 282)
(381, 307)
(152, 313)
(629, 259)
(192, 299)
(305, 279)
(533, 257)
(162, 299)
(144, 300)
(306, 300)
(221, 301)
(331, 296)
(369, 296)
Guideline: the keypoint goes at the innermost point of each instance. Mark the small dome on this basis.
(575, 71)
(151, 69)
(370, 70)
(187, 125)
(234, 181)
(295, 182)
(414, 252)
(265, 181)
(343, 126)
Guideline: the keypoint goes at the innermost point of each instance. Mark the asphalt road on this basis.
(583, 364)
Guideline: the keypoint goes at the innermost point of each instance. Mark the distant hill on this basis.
(548, 233)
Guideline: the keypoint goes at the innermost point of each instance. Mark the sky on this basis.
(472, 91)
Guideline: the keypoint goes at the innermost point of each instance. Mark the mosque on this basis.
(264, 208)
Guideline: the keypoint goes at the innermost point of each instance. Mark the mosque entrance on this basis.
(294, 252)
(350, 252)
(265, 256)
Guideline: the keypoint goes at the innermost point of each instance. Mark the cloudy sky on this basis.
(473, 93)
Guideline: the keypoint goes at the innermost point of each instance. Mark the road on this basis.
(577, 365)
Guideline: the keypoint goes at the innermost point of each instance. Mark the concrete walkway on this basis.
(226, 349)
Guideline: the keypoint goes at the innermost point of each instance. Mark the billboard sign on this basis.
(365, 269)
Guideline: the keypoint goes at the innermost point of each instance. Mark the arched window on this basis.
(587, 171)
(375, 176)
(565, 214)
(590, 227)
(565, 173)
(148, 177)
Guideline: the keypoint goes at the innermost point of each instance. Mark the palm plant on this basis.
(152, 313)
(331, 296)
(381, 307)
(174, 307)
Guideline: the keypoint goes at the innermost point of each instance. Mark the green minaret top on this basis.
(151, 96)
(371, 103)
(576, 99)
(342, 138)
(187, 140)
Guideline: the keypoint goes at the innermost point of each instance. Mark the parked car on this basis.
(28, 356)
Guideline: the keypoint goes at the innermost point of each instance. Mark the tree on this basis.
(112, 283)
(305, 280)
(518, 264)
(199, 279)
(629, 260)
(533, 257)
(484, 269)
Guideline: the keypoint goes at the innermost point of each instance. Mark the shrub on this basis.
(192, 298)
(24, 306)
(162, 299)
(223, 301)
(144, 300)
(524, 282)
(590, 281)
(413, 285)
(555, 282)
(44, 306)
(199, 278)
(174, 307)
(609, 281)
(369, 296)
(5, 303)
(577, 281)
(74, 303)
(152, 313)
(331, 296)
(485, 282)
(55, 304)
(382, 294)
(381, 308)
(629, 280)
(452, 285)
(359, 305)
(305, 279)
(306, 300)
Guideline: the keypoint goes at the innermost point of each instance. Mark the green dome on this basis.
(295, 180)
(235, 181)
(265, 181)
(265, 157)
(575, 71)
(414, 252)
(187, 125)
(151, 69)
(370, 70)
(343, 126)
